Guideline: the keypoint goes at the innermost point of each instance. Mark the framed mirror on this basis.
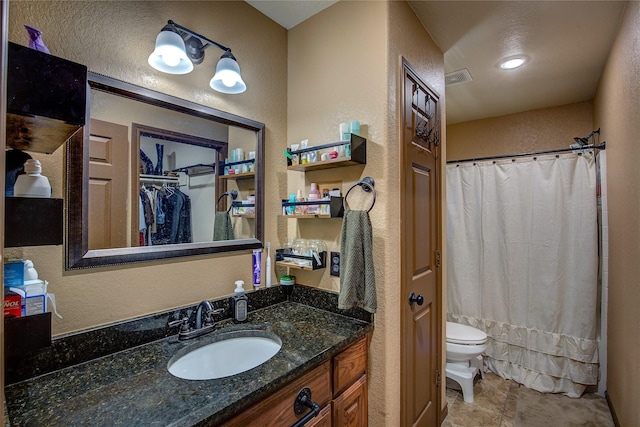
(153, 176)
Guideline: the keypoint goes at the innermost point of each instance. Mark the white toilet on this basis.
(465, 346)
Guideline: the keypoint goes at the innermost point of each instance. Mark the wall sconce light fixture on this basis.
(178, 49)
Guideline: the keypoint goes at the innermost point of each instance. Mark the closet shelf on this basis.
(196, 170)
(158, 178)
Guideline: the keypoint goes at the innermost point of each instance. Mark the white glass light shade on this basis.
(513, 62)
(227, 78)
(170, 55)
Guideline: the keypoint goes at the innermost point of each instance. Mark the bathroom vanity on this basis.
(322, 350)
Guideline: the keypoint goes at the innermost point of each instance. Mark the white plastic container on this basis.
(32, 184)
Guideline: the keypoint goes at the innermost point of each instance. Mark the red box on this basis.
(12, 305)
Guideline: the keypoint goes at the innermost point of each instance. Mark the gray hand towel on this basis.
(357, 277)
(222, 227)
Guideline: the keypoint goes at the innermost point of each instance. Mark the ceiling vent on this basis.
(457, 77)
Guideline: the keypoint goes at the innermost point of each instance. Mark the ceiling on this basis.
(567, 44)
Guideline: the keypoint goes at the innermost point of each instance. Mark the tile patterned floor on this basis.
(504, 403)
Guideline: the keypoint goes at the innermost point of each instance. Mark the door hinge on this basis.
(437, 259)
(437, 378)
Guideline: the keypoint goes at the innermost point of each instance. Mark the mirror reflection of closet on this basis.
(177, 187)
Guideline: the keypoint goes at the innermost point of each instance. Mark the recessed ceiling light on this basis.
(512, 62)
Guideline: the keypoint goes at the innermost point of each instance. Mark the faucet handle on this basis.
(216, 311)
(184, 322)
(208, 321)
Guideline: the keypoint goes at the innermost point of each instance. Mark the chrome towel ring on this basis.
(367, 184)
(233, 194)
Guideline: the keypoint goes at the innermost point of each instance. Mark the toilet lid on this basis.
(463, 334)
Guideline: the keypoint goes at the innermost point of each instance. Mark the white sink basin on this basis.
(229, 355)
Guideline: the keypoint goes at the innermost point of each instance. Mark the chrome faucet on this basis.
(200, 322)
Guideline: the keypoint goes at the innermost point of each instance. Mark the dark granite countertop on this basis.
(134, 388)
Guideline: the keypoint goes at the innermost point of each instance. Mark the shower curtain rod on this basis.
(600, 146)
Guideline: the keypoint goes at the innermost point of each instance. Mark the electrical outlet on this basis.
(335, 264)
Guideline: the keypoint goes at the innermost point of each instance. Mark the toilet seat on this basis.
(465, 345)
(463, 334)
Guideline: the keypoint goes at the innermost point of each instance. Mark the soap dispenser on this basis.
(239, 303)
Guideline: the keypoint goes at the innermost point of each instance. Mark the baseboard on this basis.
(613, 411)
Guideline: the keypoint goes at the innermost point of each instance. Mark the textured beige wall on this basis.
(536, 130)
(344, 64)
(337, 73)
(408, 39)
(115, 39)
(617, 112)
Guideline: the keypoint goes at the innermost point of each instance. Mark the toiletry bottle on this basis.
(300, 209)
(257, 267)
(239, 303)
(314, 189)
(314, 194)
(326, 207)
(291, 210)
(32, 184)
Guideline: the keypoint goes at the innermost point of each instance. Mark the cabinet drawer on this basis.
(349, 365)
(277, 410)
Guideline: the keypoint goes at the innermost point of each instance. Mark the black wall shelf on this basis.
(26, 334)
(46, 99)
(32, 221)
(336, 209)
(313, 264)
(358, 155)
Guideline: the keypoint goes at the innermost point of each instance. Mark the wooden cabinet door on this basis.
(350, 408)
(322, 420)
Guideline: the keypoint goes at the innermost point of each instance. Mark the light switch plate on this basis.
(335, 264)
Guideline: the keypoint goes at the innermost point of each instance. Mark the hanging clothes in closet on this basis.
(165, 216)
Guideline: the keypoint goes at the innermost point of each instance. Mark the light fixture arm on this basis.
(206, 41)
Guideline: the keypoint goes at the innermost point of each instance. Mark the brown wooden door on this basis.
(108, 185)
(420, 256)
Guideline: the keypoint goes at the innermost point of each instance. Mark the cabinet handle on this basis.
(303, 401)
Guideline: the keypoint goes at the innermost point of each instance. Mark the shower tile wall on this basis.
(603, 218)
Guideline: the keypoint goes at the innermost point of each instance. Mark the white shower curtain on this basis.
(522, 266)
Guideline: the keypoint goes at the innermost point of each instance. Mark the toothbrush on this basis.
(268, 266)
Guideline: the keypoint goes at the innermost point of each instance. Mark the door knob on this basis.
(415, 298)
